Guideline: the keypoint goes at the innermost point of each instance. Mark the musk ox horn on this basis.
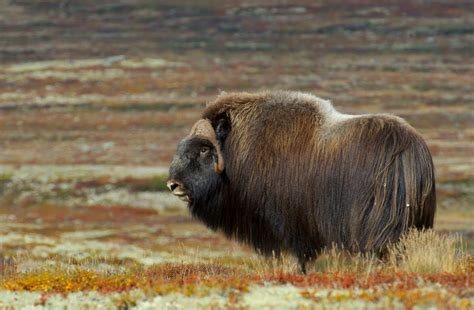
(204, 129)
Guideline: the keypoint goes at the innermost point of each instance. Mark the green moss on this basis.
(153, 184)
(57, 194)
(149, 184)
(5, 179)
(463, 187)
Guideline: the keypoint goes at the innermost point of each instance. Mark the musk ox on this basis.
(284, 171)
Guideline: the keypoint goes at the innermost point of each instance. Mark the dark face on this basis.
(192, 171)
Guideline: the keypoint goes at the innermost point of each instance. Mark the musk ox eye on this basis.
(204, 150)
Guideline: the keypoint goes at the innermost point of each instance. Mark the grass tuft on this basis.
(336, 260)
(263, 266)
(429, 252)
(418, 251)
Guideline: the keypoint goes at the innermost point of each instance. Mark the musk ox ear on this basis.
(203, 129)
(222, 128)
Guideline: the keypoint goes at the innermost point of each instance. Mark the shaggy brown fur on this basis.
(299, 176)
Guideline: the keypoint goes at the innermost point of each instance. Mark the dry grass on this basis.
(429, 252)
(335, 260)
(264, 266)
(418, 251)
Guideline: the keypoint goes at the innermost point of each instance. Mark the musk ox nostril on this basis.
(172, 185)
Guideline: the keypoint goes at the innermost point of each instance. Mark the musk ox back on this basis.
(284, 171)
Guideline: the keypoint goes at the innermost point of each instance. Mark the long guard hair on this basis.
(300, 176)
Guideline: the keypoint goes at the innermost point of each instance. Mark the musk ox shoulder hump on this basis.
(288, 102)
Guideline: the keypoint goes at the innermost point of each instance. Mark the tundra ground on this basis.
(88, 236)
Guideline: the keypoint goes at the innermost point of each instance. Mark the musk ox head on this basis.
(197, 164)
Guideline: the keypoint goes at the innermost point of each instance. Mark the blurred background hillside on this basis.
(119, 82)
(94, 96)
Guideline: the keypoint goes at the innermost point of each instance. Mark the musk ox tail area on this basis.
(403, 187)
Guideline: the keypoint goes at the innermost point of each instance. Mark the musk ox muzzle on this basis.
(178, 190)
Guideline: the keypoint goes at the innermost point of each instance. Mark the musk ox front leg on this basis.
(304, 258)
(302, 261)
(305, 250)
